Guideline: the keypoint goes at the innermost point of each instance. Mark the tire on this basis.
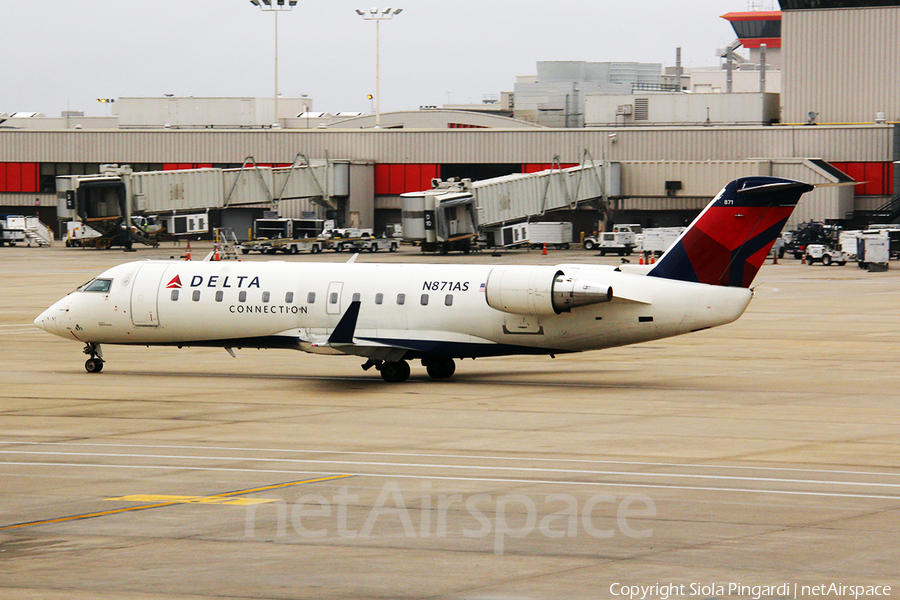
(588, 244)
(373, 248)
(565, 246)
(842, 263)
(393, 248)
(440, 368)
(826, 260)
(395, 372)
(93, 365)
(809, 260)
(603, 253)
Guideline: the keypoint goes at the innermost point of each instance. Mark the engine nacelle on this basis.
(525, 290)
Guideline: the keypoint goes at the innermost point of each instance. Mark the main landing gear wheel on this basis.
(395, 372)
(440, 368)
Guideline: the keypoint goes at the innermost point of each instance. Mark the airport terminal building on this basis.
(825, 110)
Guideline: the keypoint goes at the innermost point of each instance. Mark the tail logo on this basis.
(728, 243)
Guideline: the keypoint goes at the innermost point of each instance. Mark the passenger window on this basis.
(242, 297)
(448, 300)
(174, 295)
(401, 298)
(266, 296)
(289, 298)
(424, 300)
(356, 297)
(196, 296)
(311, 298)
(379, 298)
(220, 295)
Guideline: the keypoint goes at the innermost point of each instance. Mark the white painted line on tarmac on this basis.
(477, 479)
(461, 467)
(457, 456)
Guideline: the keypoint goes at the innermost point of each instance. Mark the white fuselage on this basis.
(407, 309)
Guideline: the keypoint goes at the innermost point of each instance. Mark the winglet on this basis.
(346, 327)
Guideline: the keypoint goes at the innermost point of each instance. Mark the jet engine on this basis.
(525, 290)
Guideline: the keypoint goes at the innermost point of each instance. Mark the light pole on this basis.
(275, 6)
(378, 15)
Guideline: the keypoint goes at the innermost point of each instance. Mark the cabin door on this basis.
(145, 290)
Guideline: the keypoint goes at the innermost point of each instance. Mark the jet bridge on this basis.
(109, 200)
(452, 214)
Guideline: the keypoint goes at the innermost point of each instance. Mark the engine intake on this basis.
(525, 290)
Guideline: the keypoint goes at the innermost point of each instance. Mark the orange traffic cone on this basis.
(641, 259)
(652, 259)
(216, 256)
(544, 253)
(188, 255)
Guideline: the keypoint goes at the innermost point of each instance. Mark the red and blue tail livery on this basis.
(727, 244)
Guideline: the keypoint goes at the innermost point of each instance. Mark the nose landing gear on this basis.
(95, 363)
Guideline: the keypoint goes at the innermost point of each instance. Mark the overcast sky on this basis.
(60, 54)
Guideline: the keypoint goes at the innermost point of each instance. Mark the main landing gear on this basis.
(95, 363)
(398, 371)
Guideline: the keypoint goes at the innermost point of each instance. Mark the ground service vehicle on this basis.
(536, 235)
(622, 240)
(825, 255)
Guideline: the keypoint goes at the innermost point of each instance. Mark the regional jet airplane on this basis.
(390, 314)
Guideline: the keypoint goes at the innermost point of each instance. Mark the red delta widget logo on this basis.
(214, 281)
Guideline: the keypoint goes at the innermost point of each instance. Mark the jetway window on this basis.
(220, 295)
(448, 300)
(311, 298)
(196, 296)
(424, 300)
(401, 299)
(242, 297)
(174, 295)
(266, 296)
(289, 298)
(379, 298)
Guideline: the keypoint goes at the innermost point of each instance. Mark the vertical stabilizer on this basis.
(728, 242)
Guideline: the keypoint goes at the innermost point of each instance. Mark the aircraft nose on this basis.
(47, 321)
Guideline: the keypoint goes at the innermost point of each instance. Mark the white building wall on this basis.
(841, 63)
(677, 108)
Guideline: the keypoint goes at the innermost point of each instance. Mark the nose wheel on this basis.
(95, 363)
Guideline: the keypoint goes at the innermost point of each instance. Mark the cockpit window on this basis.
(96, 285)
